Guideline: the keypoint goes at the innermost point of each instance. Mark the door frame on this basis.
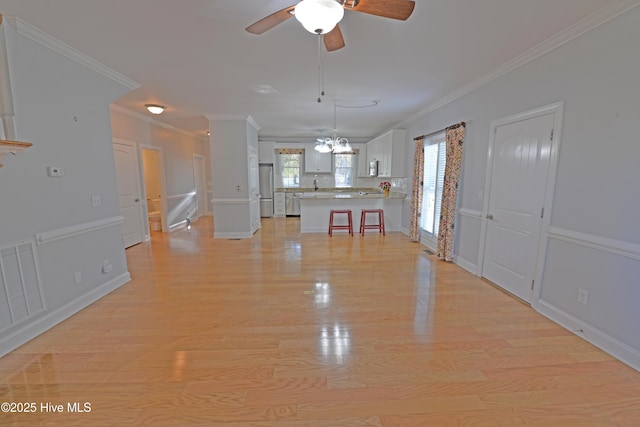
(163, 188)
(557, 109)
(142, 218)
(203, 159)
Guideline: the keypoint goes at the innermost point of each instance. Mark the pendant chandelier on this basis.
(334, 144)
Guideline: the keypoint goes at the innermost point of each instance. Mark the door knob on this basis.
(489, 216)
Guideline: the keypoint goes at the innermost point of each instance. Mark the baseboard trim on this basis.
(232, 235)
(31, 330)
(603, 341)
(467, 265)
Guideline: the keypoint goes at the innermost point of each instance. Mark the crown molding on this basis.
(56, 45)
(592, 21)
(138, 116)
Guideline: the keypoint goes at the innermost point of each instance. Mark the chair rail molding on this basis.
(74, 230)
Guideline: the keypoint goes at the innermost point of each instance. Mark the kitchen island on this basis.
(315, 207)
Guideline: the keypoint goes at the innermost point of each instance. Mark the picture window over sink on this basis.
(290, 169)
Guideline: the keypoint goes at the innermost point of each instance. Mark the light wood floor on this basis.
(306, 330)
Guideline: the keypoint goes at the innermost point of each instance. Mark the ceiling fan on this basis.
(322, 16)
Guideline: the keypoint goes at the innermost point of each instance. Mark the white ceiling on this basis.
(195, 57)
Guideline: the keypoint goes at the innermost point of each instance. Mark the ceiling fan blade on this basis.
(271, 21)
(396, 9)
(333, 39)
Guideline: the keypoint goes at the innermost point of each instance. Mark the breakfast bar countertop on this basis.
(340, 193)
(349, 195)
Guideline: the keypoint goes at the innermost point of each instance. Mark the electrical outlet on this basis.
(583, 296)
(78, 277)
(96, 201)
(106, 266)
(55, 171)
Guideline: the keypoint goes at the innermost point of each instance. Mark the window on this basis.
(343, 167)
(290, 169)
(434, 163)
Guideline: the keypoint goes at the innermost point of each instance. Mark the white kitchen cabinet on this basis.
(279, 207)
(266, 152)
(374, 152)
(388, 150)
(315, 162)
(363, 162)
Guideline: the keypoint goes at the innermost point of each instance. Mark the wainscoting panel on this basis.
(467, 244)
(607, 272)
(20, 284)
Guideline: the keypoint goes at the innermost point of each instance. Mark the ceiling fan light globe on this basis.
(319, 16)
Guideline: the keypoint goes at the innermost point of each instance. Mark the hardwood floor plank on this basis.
(304, 330)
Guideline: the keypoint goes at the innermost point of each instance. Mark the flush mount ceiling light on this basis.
(155, 108)
(319, 16)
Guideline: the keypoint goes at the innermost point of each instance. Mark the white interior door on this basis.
(201, 185)
(520, 164)
(126, 159)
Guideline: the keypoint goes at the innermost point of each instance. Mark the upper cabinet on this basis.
(266, 152)
(315, 162)
(388, 150)
(363, 164)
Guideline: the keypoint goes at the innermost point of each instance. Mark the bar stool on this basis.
(349, 226)
(379, 226)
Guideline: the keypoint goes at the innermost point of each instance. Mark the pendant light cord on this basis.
(320, 68)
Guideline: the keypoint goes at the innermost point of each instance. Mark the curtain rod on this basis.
(438, 131)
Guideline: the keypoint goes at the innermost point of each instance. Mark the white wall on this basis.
(594, 238)
(231, 140)
(178, 148)
(62, 107)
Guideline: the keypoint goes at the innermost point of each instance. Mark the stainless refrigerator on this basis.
(266, 190)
